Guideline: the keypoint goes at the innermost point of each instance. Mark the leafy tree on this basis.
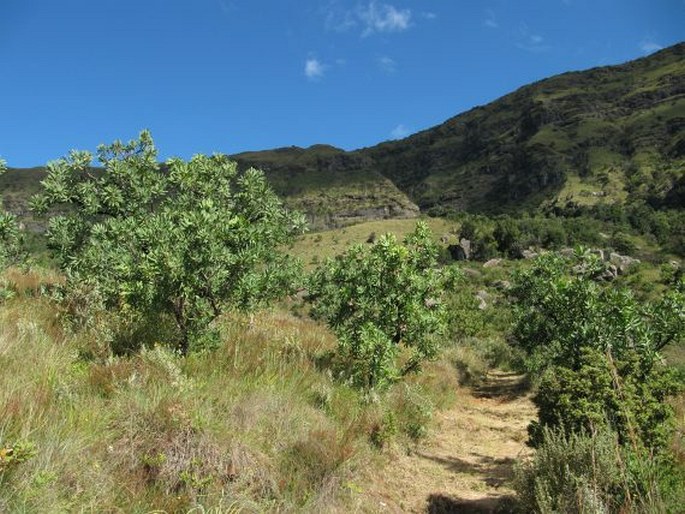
(10, 235)
(185, 239)
(380, 299)
(508, 236)
(597, 350)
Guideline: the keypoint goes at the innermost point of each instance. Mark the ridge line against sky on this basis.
(237, 75)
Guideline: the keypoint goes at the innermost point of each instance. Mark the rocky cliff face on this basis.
(333, 187)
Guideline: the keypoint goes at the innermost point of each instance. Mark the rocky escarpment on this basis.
(332, 187)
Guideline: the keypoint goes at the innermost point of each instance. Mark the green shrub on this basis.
(11, 238)
(185, 240)
(633, 402)
(590, 472)
(598, 351)
(383, 301)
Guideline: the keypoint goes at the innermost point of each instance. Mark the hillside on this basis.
(596, 135)
(603, 135)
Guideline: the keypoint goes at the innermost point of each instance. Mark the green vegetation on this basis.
(253, 425)
(170, 365)
(379, 300)
(605, 424)
(183, 242)
(11, 243)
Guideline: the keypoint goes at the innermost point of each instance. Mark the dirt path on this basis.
(466, 464)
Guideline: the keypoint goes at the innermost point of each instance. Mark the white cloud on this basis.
(649, 46)
(387, 64)
(429, 15)
(371, 17)
(383, 18)
(314, 69)
(490, 20)
(531, 42)
(400, 132)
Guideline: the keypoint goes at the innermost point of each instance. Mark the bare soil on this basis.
(466, 464)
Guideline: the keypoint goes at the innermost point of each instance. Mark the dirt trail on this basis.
(467, 462)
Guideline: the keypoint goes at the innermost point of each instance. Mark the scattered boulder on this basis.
(457, 252)
(482, 296)
(622, 262)
(466, 245)
(566, 252)
(492, 263)
(599, 253)
(529, 254)
(610, 273)
(473, 273)
(462, 251)
(502, 285)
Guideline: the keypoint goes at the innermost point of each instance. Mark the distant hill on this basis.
(605, 135)
(333, 187)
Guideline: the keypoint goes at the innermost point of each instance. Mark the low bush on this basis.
(590, 472)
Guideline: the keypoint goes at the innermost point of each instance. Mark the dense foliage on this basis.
(184, 240)
(380, 299)
(597, 349)
(10, 236)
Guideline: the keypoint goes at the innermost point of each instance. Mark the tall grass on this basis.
(255, 425)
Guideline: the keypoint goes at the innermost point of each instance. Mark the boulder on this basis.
(482, 296)
(622, 262)
(599, 253)
(466, 245)
(460, 252)
(610, 273)
(456, 252)
(473, 273)
(502, 285)
(492, 263)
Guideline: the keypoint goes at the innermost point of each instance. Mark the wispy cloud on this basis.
(490, 20)
(370, 18)
(400, 132)
(314, 69)
(649, 46)
(429, 15)
(387, 64)
(377, 17)
(530, 41)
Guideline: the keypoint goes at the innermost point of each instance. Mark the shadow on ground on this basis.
(497, 471)
(441, 504)
(503, 386)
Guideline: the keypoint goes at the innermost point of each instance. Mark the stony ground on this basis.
(466, 464)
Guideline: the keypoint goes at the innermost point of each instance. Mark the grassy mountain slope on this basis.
(593, 136)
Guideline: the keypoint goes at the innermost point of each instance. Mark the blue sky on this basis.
(233, 75)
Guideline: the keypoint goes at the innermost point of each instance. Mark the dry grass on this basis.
(256, 425)
(318, 246)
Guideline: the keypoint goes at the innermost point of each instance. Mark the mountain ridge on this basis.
(605, 135)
